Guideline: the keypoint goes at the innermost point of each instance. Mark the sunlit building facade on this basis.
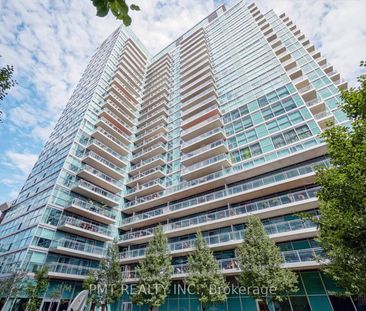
(221, 124)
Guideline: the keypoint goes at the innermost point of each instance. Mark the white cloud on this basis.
(21, 161)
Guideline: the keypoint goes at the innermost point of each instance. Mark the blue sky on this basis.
(50, 42)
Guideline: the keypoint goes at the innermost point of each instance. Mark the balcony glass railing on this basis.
(119, 120)
(227, 237)
(79, 247)
(148, 172)
(161, 119)
(97, 157)
(203, 136)
(203, 149)
(240, 210)
(115, 128)
(147, 161)
(96, 189)
(108, 150)
(146, 150)
(302, 255)
(93, 207)
(123, 104)
(85, 225)
(111, 137)
(156, 112)
(201, 124)
(69, 269)
(145, 186)
(143, 134)
(252, 184)
(150, 139)
(201, 164)
(201, 113)
(211, 98)
(323, 115)
(116, 107)
(198, 87)
(101, 175)
(193, 99)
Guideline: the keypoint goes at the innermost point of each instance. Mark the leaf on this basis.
(134, 7)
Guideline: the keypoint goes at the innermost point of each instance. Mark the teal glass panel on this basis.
(173, 304)
(248, 304)
(234, 304)
(300, 303)
(194, 304)
(282, 306)
(330, 284)
(312, 283)
(320, 303)
(184, 304)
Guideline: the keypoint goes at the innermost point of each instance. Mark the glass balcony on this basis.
(222, 239)
(107, 153)
(119, 112)
(149, 152)
(145, 176)
(148, 125)
(114, 130)
(239, 212)
(199, 107)
(252, 185)
(128, 79)
(191, 60)
(145, 189)
(99, 178)
(202, 127)
(199, 98)
(103, 165)
(193, 78)
(324, 119)
(191, 40)
(108, 114)
(84, 228)
(146, 143)
(206, 166)
(195, 64)
(123, 81)
(122, 102)
(341, 84)
(77, 249)
(204, 63)
(162, 101)
(201, 87)
(205, 138)
(157, 113)
(92, 210)
(185, 55)
(94, 192)
(201, 116)
(157, 130)
(197, 82)
(108, 139)
(200, 154)
(147, 164)
(75, 272)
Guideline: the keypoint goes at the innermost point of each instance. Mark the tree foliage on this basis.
(36, 288)
(105, 284)
(12, 285)
(154, 273)
(119, 9)
(343, 194)
(6, 81)
(260, 262)
(204, 277)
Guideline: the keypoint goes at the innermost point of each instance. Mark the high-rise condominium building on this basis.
(221, 124)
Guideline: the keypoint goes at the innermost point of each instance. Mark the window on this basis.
(126, 306)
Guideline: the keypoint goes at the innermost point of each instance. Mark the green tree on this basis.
(119, 9)
(342, 196)
(154, 273)
(260, 262)
(204, 277)
(6, 81)
(105, 284)
(36, 288)
(11, 286)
